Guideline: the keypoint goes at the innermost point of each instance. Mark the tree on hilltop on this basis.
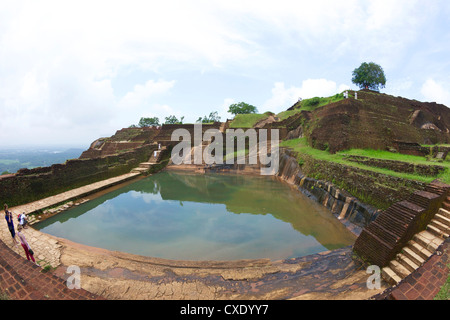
(148, 122)
(369, 76)
(173, 120)
(242, 108)
(213, 117)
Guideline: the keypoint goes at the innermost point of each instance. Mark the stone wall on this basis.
(125, 139)
(398, 166)
(370, 187)
(416, 149)
(29, 185)
(352, 213)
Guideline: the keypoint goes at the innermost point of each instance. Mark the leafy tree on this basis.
(369, 76)
(213, 117)
(148, 122)
(242, 108)
(173, 120)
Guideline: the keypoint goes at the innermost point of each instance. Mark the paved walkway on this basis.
(72, 194)
(22, 279)
(47, 250)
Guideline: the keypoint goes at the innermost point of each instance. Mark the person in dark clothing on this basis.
(10, 222)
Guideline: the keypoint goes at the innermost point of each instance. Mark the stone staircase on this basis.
(420, 248)
(155, 158)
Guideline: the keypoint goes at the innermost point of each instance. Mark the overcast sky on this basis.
(74, 71)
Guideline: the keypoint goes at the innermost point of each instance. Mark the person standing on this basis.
(10, 222)
(22, 218)
(23, 241)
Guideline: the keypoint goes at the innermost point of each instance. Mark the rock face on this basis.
(376, 121)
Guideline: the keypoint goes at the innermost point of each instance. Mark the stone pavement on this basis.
(71, 194)
(22, 279)
(46, 248)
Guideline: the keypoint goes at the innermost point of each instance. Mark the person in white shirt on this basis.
(22, 219)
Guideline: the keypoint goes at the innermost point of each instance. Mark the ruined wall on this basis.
(398, 166)
(416, 149)
(125, 139)
(29, 185)
(370, 187)
(376, 121)
(347, 208)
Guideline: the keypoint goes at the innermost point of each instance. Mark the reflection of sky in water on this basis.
(143, 218)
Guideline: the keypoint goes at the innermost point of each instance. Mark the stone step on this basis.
(146, 165)
(419, 249)
(446, 205)
(399, 269)
(390, 276)
(139, 170)
(407, 262)
(428, 240)
(444, 213)
(441, 225)
(442, 219)
(438, 229)
(414, 257)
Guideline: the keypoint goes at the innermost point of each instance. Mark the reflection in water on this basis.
(203, 217)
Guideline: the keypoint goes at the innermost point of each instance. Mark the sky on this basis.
(74, 71)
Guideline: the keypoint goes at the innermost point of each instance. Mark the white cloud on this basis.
(283, 98)
(58, 59)
(223, 110)
(141, 94)
(436, 92)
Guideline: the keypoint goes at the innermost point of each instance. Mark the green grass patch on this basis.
(444, 293)
(247, 120)
(385, 155)
(286, 114)
(301, 147)
(317, 102)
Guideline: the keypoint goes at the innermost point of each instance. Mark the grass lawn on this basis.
(301, 146)
(317, 102)
(247, 120)
(286, 114)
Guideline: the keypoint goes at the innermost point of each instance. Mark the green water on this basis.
(203, 217)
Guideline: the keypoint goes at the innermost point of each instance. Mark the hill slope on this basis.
(376, 121)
